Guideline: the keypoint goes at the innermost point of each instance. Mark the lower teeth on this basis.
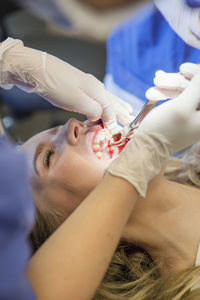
(99, 154)
(96, 147)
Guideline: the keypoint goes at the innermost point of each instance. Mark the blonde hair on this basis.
(132, 274)
(48, 216)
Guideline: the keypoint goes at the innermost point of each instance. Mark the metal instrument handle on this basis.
(138, 119)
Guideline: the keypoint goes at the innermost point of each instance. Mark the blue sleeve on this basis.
(193, 3)
(141, 45)
(16, 219)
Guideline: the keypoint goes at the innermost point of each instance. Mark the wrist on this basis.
(141, 160)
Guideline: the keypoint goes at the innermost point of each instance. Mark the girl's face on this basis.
(74, 154)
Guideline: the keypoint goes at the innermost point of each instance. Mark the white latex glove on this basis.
(60, 83)
(170, 127)
(170, 85)
(183, 19)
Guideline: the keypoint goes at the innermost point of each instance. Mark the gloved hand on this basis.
(168, 128)
(60, 83)
(184, 19)
(170, 85)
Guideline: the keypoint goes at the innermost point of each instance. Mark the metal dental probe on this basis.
(127, 131)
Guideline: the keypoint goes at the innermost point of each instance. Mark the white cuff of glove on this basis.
(141, 160)
(169, 128)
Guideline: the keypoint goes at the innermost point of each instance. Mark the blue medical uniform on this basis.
(140, 46)
(193, 3)
(16, 220)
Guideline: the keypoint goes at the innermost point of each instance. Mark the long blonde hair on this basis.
(132, 274)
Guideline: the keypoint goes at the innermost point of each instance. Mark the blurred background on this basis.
(73, 30)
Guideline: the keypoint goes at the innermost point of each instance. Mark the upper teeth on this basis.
(100, 136)
(96, 147)
(100, 142)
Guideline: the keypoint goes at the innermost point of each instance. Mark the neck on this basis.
(166, 224)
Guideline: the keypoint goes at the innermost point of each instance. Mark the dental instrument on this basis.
(126, 133)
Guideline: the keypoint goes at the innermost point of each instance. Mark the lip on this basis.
(89, 131)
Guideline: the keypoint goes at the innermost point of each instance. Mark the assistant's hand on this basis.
(170, 127)
(60, 83)
(170, 85)
(183, 19)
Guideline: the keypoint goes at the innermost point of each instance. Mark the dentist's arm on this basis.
(60, 83)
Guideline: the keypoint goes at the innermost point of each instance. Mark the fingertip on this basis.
(189, 69)
(161, 80)
(159, 72)
(152, 94)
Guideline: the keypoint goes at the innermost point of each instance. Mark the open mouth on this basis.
(101, 145)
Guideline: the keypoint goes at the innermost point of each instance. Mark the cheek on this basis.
(78, 172)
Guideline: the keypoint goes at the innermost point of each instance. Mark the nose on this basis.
(70, 132)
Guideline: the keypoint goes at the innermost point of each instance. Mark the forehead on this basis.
(35, 140)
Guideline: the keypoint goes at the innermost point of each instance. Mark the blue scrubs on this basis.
(16, 220)
(193, 3)
(139, 47)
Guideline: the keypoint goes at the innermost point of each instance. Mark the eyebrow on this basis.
(38, 151)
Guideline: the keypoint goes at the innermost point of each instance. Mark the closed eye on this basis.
(49, 152)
